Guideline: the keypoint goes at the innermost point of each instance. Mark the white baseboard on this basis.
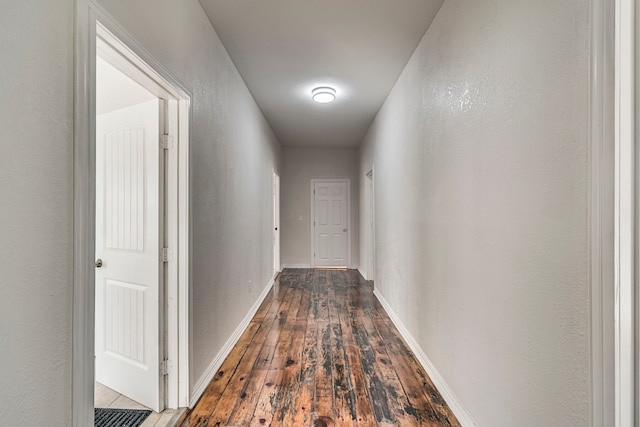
(215, 364)
(447, 394)
(362, 273)
(353, 267)
(296, 265)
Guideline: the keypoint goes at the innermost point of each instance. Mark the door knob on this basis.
(98, 263)
(344, 230)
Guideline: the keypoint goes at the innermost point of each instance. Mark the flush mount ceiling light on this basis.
(323, 95)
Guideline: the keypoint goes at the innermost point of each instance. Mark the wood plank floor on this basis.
(321, 351)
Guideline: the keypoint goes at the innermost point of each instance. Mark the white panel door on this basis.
(276, 223)
(128, 240)
(330, 224)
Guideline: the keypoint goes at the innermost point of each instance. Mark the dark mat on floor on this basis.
(120, 417)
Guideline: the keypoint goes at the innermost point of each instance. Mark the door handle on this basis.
(344, 230)
(98, 263)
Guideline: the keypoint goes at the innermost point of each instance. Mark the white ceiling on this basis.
(285, 48)
(115, 90)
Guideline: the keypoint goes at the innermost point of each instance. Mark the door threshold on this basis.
(108, 398)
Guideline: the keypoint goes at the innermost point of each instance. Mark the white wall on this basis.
(299, 166)
(481, 166)
(234, 153)
(36, 80)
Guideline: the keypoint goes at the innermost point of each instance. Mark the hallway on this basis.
(490, 147)
(321, 351)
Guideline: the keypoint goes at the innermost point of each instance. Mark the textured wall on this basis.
(36, 80)
(299, 165)
(481, 165)
(233, 156)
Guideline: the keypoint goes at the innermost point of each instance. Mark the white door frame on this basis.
(313, 217)
(626, 212)
(601, 214)
(91, 22)
(369, 225)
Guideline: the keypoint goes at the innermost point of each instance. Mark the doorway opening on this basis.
(276, 224)
(130, 224)
(330, 234)
(140, 282)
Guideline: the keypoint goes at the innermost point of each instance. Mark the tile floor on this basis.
(107, 398)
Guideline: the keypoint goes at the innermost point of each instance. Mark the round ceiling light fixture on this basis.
(323, 95)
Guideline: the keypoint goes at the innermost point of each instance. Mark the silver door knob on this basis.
(98, 263)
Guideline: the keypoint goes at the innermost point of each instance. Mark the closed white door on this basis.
(330, 224)
(128, 241)
(276, 223)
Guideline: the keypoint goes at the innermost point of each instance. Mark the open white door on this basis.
(330, 230)
(128, 241)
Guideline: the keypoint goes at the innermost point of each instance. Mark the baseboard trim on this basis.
(447, 394)
(364, 276)
(215, 364)
(296, 265)
(353, 267)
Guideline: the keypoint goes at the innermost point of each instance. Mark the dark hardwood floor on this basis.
(321, 351)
